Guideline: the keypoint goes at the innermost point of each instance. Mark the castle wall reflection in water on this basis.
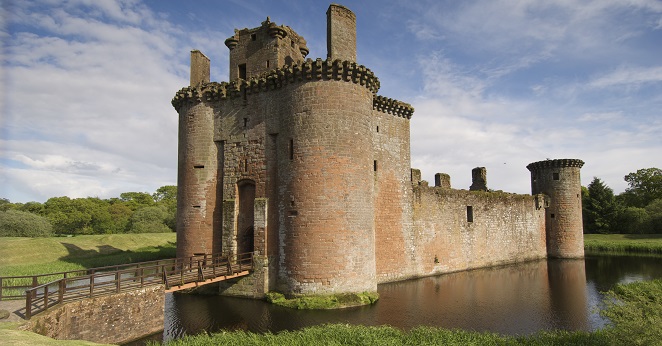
(518, 299)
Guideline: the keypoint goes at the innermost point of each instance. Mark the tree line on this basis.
(132, 212)
(637, 210)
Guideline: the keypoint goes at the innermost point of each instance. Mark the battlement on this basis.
(557, 163)
(309, 70)
(391, 106)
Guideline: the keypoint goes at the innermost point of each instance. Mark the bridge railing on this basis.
(171, 272)
(13, 287)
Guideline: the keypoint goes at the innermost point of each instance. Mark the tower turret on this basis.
(267, 47)
(560, 181)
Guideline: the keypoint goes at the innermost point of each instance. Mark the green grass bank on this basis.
(623, 243)
(29, 256)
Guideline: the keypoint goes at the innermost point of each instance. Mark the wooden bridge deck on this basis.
(176, 274)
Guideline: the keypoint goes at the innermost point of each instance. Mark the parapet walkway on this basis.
(46, 290)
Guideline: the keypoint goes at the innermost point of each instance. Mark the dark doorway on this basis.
(246, 216)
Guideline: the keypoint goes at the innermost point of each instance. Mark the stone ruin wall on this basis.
(505, 228)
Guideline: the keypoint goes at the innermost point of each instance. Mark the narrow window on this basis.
(555, 176)
(267, 63)
(199, 166)
(377, 128)
(292, 44)
(196, 206)
(291, 147)
(245, 122)
(253, 37)
(470, 213)
(242, 71)
(374, 165)
(245, 165)
(552, 216)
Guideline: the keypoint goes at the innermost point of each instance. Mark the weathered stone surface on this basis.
(116, 318)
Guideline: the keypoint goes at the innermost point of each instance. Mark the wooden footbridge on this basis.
(46, 290)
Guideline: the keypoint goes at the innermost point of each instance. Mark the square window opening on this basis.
(555, 176)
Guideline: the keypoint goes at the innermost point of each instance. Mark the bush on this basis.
(635, 310)
(149, 220)
(16, 223)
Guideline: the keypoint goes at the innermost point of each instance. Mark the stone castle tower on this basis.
(288, 158)
(301, 162)
(559, 180)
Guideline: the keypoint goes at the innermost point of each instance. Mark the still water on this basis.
(515, 299)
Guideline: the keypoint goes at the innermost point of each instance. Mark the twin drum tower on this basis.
(302, 162)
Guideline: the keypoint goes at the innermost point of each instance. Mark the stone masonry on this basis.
(301, 162)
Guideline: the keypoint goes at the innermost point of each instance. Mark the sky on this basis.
(85, 85)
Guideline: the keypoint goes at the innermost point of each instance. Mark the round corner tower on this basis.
(327, 173)
(560, 181)
(197, 167)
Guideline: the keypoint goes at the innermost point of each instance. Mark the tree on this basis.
(599, 208)
(166, 196)
(16, 223)
(165, 193)
(137, 200)
(5, 204)
(120, 214)
(149, 220)
(654, 211)
(645, 187)
(631, 220)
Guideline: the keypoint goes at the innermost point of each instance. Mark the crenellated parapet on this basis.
(310, 70)
(391, 106)
(557, 163)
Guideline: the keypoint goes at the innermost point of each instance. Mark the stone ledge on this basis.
(391, 106)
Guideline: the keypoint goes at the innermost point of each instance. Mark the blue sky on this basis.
(85, 85)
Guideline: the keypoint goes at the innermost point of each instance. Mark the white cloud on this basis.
(628, 76)
(89, 107)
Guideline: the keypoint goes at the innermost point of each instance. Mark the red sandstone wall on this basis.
(326, 182)
(506, 228)
(197, 213)
(394, 247)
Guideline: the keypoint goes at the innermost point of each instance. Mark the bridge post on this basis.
(60, 292)
(28, 304)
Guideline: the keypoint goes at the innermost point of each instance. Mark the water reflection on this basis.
(517, 299)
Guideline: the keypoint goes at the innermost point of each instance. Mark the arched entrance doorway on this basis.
(245, 216)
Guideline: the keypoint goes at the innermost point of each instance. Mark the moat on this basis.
(517, 299)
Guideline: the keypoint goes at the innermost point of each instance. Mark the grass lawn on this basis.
(28, 256)
(9, 335)
(635, 243)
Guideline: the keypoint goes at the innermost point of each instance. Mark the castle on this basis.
(302, 162)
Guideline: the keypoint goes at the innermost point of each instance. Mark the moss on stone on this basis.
(322, 302)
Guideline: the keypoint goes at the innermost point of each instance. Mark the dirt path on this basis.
(15, 307)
